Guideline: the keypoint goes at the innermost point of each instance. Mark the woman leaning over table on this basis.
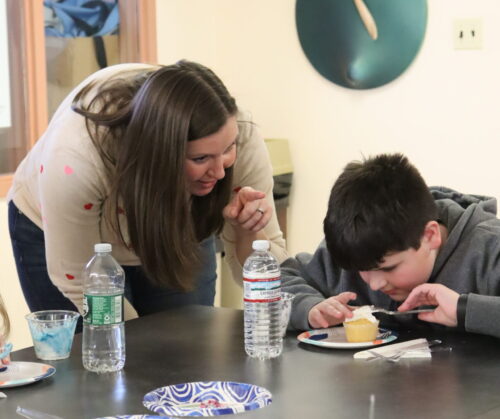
(155, 160)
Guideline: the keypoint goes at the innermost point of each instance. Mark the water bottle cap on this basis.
(260, 245)
(102, 248)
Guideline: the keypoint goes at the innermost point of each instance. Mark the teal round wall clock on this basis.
(361, 44)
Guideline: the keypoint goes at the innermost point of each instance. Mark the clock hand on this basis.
(367, 18)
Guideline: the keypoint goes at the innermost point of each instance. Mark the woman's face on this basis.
(208, 157)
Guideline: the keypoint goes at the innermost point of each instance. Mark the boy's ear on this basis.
(432, 235)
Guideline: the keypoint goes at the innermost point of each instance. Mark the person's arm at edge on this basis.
(481, 314)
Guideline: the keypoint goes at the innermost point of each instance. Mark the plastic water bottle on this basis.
(103, 343)
(262, 303)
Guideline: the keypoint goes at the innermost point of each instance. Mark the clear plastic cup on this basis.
(52, 332)
(286, 309)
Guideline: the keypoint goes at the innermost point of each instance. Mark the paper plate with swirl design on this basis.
(22, 373)
(207, 398)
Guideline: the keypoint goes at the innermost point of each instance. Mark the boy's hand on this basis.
(331, 311)
(248, 209)
(434, 294)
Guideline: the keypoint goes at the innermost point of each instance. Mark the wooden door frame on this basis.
(138, 31)
(137, 44)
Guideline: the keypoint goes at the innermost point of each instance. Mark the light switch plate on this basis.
(468, 33)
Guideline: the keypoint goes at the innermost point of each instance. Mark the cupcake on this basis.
(362, 326)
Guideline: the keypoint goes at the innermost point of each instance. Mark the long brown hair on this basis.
(140, 124)
(5, 322)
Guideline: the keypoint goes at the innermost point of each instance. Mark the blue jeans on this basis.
(28, 245)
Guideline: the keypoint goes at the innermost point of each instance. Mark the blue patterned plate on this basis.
(207, 398)
(136, 417)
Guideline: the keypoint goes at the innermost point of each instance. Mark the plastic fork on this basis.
(398, 354)
(396, 313)
(34, 414)
(384, 335)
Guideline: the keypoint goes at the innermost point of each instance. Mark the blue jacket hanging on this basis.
(75, 18)
(83, 18)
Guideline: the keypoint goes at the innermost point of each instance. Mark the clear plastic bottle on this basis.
(262, 303)
(103, 342)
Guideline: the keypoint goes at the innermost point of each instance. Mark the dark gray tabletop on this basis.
(204, 344)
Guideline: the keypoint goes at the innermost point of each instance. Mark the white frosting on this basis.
(363, 312)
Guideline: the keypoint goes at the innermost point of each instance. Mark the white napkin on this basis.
(417, 348)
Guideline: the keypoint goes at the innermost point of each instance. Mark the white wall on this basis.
(4, 75)
(442, 112)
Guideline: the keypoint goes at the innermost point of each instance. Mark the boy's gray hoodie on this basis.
(468, 262)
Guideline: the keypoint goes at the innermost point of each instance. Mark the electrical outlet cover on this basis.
(468, 33)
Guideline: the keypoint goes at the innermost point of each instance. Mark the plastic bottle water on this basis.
(262, 305)
(103, 343)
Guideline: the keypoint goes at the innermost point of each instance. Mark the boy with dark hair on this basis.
(394, 243)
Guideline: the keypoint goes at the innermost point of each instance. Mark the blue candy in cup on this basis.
(52, 332)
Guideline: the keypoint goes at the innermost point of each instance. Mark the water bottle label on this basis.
(261, 290)
(99, 310)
